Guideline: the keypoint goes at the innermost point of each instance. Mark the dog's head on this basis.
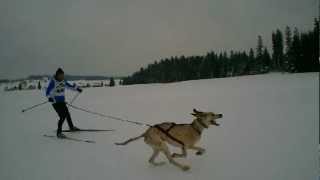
(207, 118)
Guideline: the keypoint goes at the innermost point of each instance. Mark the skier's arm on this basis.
(50, 88)
(73, 87)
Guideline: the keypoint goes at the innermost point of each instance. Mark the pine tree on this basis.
(296, 51)
(309, 51)
(259, 49)
(288, 37)
(266, 61)
(277, 46)
(273, 64)
(316, 48)
(288, 64)
(293, 52)
(250, 67)
(259, 53)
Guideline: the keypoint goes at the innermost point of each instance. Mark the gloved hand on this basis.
(50, 99)
(79, 90)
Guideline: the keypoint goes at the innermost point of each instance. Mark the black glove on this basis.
(50, 99)
(79, 90)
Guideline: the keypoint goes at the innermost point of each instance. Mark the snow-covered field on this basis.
(269, 131)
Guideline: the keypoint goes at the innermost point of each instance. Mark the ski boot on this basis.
(74, 128)
(61, 136)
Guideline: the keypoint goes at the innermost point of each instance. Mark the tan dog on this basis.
(184, 136)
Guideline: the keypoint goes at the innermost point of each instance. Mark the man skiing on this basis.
(55, 94)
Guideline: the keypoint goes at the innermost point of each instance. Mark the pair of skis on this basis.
(81, 130)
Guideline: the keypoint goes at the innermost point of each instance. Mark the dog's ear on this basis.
(194, 114)
(196, 111)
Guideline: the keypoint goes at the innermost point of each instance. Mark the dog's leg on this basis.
(183, 153)
(165, 150)
(199, 150)
(153, 156)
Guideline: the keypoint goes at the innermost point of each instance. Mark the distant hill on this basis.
(72, 77)
(4, 81)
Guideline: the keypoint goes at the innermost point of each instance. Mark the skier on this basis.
(55, 95)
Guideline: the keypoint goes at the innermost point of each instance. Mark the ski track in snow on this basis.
(269, 131)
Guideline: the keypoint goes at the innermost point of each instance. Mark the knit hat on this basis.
(59, 71)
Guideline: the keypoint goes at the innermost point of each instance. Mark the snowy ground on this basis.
(269, 131)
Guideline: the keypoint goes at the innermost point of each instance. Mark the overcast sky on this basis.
(117, 37)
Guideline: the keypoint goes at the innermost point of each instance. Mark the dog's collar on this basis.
(202, 124)
(199, 131)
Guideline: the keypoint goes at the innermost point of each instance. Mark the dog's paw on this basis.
(159, 163)
(185, 168)
(176, 155)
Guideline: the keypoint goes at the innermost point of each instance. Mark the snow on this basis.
(269, 131)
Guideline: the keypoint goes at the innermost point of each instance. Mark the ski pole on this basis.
(34, 106)
(74, 98)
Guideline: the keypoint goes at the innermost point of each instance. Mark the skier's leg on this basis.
(68, 116)
(60, 123)
(62, 115)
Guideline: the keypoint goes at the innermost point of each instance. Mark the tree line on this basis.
(292, 51)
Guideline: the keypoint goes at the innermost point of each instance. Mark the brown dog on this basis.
(184, 136)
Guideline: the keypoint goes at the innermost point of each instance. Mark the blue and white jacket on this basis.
(56, 89)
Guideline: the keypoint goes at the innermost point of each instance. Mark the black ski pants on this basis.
(63, 113)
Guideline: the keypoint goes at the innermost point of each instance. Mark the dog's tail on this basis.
(130, 140)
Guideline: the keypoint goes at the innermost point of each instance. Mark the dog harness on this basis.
(196, 129)
(166, 132)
